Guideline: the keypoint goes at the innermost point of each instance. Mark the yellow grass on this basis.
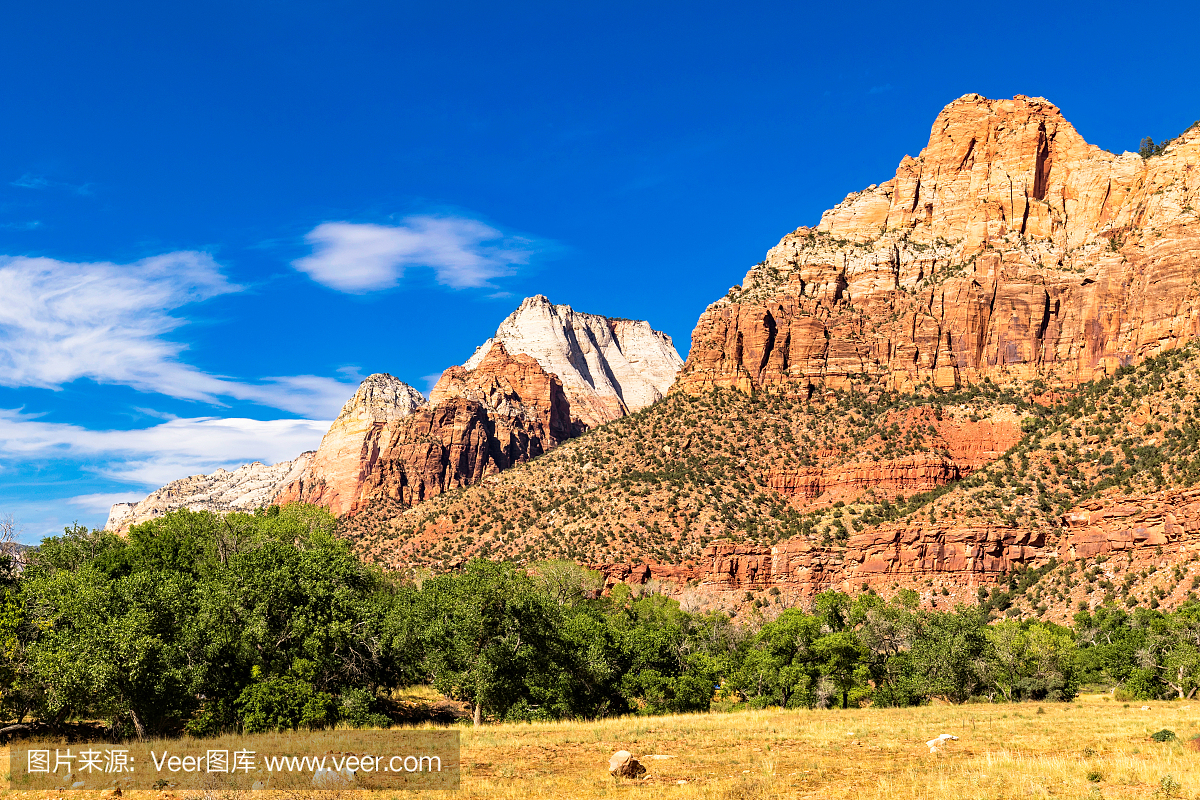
(1003, 752)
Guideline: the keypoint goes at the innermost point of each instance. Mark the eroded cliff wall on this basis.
(1008, 249)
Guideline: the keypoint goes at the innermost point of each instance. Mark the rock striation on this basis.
(954, 554)
(548, 374)
(348, 451)
(608, 367)
(1009, 249)
(962, 445)
(1160, 519)
(504, 411)
(246, 488)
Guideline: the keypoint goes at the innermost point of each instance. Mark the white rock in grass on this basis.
(934, 744)
(328, 779)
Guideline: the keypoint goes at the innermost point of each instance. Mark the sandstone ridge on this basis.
(608, 367)
(548, 374)
(1008, 249)
(244, 489)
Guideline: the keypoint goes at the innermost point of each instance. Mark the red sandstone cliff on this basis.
(1008, 248)
(957, 447)
(479, 421)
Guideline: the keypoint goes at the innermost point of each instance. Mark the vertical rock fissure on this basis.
(772, 330)
(1041, 171)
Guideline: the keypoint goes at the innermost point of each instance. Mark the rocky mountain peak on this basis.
(1009, 249)
(608, 366)
(381, 398)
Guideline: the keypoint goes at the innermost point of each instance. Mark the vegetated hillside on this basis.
(665, 482)
(1116, 466)
(1098, 481)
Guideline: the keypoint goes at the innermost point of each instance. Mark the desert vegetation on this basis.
(203, 624)
(663, 484)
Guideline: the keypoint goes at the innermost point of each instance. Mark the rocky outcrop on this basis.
(970, 553)
(920, 472)
(351, 447)
(504, 410)
(953, 554)
(1120, 524)
(962, 446)
(957, 559)
(1008, 249)
(246, 488)
(608, 367)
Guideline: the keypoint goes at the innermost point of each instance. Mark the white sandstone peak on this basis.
(382, 397)
(608, 366)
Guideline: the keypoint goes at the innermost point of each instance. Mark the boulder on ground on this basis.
(624, 765)
(934, 744)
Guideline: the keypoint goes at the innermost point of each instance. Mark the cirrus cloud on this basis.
(157, 455)
(357, 258)
(62, 321)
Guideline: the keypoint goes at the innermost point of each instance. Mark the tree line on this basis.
(199, 623)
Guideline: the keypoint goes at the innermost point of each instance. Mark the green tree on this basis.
(782, 665)
(486, 631)
(112, 647)
(947, 652)
(840, 655)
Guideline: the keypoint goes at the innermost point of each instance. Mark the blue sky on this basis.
(216, 218)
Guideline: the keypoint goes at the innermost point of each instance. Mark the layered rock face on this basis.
(246, 488)
(1151, 530)
(504, 411)
(962, 557)
(1161, 519)
(961, 447)
(1008, 249)
(608, 367)
(352, 446)
(548, 374)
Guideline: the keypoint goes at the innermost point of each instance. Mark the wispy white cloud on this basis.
(151, 457)
(359, 258)
(102, 502)
(34, 181)
(430, 381)
(62, 321)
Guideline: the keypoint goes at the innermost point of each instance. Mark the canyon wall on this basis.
(1008, 249)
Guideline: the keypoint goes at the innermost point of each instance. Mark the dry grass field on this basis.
(1088, 749)
(1092, 748)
